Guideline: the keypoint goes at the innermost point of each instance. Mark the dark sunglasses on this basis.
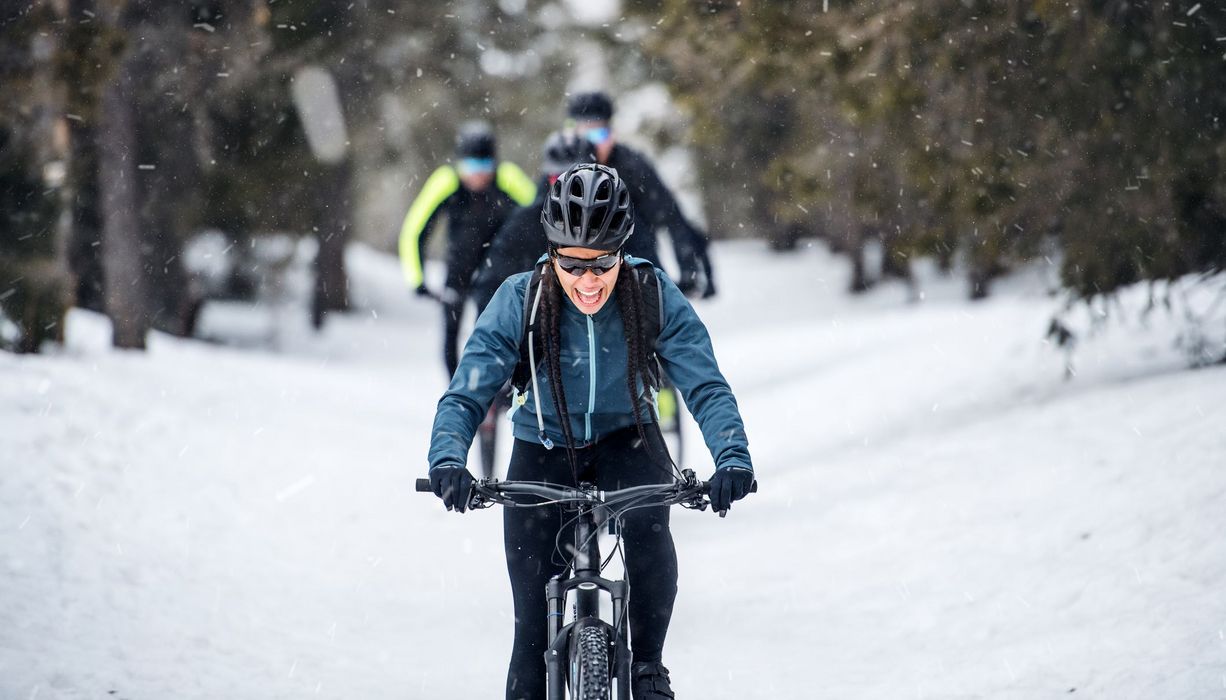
(598, 265)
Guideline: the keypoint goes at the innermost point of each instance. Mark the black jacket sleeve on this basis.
(658, 208)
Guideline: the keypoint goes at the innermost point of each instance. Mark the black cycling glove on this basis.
(729, 484)
(452, 484)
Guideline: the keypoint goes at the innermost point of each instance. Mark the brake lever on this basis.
(694, 504)
(479, 501)
(698, 502)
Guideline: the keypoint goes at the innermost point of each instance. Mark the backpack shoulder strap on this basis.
(653, 300)
(653, 313)
(522, 375)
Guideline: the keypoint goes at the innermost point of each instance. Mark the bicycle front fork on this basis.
(557, 653)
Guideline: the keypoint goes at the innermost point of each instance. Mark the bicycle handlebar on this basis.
(688, 492)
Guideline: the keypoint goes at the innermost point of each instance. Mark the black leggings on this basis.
(453, 311)
(617, 461)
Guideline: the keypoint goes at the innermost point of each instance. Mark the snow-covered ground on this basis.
(942, 514)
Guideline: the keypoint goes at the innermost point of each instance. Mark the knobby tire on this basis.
(590, 660)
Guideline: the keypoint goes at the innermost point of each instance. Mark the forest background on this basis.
(1088, 136)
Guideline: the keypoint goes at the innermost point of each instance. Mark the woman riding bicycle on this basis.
(585, 317)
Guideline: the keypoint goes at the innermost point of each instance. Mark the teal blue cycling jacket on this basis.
(593, 353)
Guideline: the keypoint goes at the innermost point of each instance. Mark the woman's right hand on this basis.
(729, 484)
(454, 485)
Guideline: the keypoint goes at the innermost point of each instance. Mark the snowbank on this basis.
(942, 513)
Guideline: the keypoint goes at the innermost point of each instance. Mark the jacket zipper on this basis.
(591, 392)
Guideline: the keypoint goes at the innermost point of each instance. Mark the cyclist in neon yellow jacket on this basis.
(477, 194)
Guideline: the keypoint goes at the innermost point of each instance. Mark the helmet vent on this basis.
(598, 217)
(615, 223)
(575, 216)
(604, 191)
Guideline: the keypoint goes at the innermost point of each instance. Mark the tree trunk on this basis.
(169, 198)
(331, 280)
(860, 281)
(124, 276)
(170, 194)
(85, 239)
(784, 238)
(87, 57)
(979, 282)
(894, 262)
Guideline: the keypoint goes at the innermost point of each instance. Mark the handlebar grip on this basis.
(423, 485)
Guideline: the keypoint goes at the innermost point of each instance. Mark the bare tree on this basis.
(125, 280)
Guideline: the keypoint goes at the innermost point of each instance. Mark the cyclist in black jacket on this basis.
(520, 240)
(654, 205)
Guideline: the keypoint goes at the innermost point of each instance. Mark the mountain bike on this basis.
(589, 657)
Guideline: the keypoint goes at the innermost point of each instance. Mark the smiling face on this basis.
(588, 291)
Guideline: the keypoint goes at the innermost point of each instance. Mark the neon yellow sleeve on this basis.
(441, 184)
(516, 183)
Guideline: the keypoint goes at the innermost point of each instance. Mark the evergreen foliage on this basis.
(999, 130)
(982, 132)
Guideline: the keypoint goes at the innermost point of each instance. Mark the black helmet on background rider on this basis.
(590, 107)
(588, 206)
(564, 149)
(476, 140)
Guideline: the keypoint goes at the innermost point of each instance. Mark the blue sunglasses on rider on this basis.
(474, 166)
(578, 266)
(598, 135)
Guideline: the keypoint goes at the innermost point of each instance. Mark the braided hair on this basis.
(630, 303)
(551, 312)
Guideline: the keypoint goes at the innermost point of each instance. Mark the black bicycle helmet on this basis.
(590, 106)
(564, 149)
(588, 206)
(475, 140)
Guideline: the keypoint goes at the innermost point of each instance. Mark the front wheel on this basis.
(589, 664)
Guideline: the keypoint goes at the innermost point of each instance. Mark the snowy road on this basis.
(941, 514)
